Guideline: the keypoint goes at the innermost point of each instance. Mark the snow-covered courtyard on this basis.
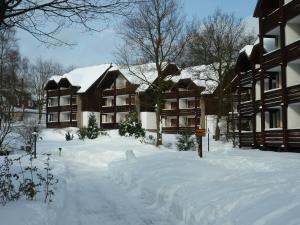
(116, 180)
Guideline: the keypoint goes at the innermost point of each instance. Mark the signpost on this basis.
(199, 134)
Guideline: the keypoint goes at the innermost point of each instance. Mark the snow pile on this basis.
(233, 187)
(117, 180)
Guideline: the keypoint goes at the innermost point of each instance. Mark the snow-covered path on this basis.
(91, 198)
(99, 186)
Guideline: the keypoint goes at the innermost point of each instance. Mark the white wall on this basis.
(257, 91)
(293, 116)
(258, 122)
(148, 120)
(85, 118)
(287, 1)
(211, 123)
(293, 74)
(292, 33)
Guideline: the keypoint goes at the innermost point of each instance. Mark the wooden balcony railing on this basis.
(118, 108)
(273, 138)
(293, 94)
(246, 108)
(292, 51)
(175, 130)
(246, 78)
(246, 138)
(273, 98)
(294, 138)
(273, 58)
(109, 126)
(291, 10)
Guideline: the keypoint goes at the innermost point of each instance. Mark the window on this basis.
(74, 117)
(174, 105)
(173, 122)
(275, 118)
(191, 104)
(120, 83)
(191, 122)
(52, 117)
(272, 81)
(52, 102)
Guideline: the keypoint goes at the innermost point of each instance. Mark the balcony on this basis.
(246, 79)
(293, 94)
(246, 108)
(246, 139)
(190, 111)
(272, 97)
(271, 21)
(291, 10)
(109, 126)
(118, 108)
(68, 108)
(273, 138)
(272, 59)
(175, 130)
(292, 51)
(294, 138)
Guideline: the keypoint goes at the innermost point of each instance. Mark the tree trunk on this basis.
(158, 127)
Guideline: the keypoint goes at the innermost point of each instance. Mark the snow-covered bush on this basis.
(131, 126)
(185, 141)
(4, 151)
(92, 129)
(148, 140)
(25, 132)
(69, 136)
(26, 181)
(82, 133)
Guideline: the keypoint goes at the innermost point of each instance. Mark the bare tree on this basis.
(153, 32)
(33, 15)
(9, 58)
(217, 42)
(41, 72)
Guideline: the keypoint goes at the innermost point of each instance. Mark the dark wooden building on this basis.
(268, 80)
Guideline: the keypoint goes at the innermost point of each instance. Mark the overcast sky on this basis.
(97, 48)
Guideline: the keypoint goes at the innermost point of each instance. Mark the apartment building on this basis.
(111, 92)
(190, 95)
(268, 80)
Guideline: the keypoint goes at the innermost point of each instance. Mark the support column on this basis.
(283, 78)
(239, 106)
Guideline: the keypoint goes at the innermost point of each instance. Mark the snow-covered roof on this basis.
(142, 75)
(247, 49)
(84, 77)
(201, 76)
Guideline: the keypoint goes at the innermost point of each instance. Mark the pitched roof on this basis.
(85, 77)
(200, 75)
(143, 75)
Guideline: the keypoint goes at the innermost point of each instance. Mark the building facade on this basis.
(111, 92)
(268, 80)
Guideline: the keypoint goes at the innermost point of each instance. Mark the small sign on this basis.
(200, 132)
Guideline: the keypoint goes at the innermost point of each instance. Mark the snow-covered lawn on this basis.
(99, 185)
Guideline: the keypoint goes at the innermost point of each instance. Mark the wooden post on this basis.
(200, 152)
(199, 134)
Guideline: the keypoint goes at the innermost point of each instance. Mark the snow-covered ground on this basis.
(103, 183)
